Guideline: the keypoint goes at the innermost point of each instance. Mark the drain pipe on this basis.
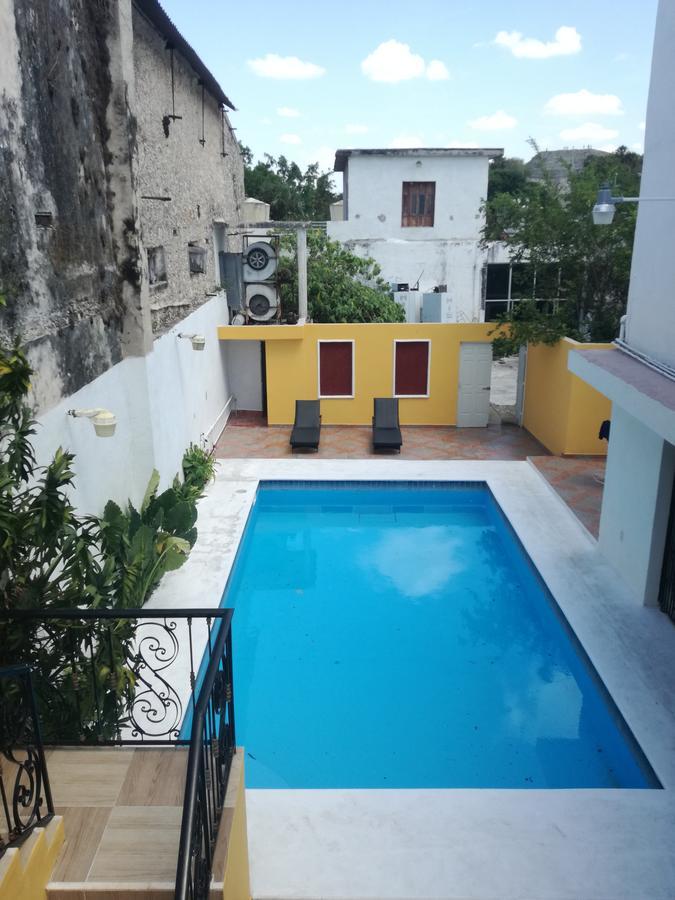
(302, 274)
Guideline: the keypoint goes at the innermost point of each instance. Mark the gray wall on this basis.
(203, 184)
(71, 288)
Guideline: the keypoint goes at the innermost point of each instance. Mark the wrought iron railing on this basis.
(111, 676)
(24, 783)
(212, 746)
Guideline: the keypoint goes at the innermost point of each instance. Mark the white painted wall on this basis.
(650, 326)
(640, 464)
(374, 189)
(447, 253)
(163, 402)
(244, 374)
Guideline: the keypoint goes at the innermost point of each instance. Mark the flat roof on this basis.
(341, 156)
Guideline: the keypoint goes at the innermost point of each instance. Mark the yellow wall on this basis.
(26, 870)
(236, 883)
(292, 369)
(561, 410)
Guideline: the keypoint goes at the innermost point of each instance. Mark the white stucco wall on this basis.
(447, 253)
(640, 466)
(163, 402)
(651, 299)
(375, 192)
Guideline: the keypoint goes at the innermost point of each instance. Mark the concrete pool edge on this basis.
(631, 647)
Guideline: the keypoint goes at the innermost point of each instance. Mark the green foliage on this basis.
(199, 468)
(506, 176)
(50, 557)
(145, 544)
(341, 286)
(293, 195)
(546, 223)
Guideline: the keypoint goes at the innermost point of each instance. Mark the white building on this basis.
(639, 376)
(418, 213)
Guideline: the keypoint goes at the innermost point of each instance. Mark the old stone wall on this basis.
(205, 187)
(69, 263)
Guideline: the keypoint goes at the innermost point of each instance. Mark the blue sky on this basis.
(309, 77)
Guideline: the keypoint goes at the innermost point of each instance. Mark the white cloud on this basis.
(589, 133)
(287, 112)
(355, 128)
(290, 139)
(584, 103)
(393, 61)
(406, 142)
(284, 67)
(437, 71)
(566, 42)
(642, 126)
(496, 122)
(638, 146)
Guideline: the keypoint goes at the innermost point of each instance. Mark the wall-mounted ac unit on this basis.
(262, 302)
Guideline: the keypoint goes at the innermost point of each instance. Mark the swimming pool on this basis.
(394, 635)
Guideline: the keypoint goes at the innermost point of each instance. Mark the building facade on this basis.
(637, 526)
(120, 182)
(419, 214)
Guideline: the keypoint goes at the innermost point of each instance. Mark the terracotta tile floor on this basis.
(578, 481)
(248, 439)
(574, 479)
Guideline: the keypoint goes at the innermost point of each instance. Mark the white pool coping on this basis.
(539, 844)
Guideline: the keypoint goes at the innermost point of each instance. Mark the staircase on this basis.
(121, 810)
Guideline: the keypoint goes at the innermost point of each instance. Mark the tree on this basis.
(546, 225)
(506, 175)
(341, 286)
(293, 195)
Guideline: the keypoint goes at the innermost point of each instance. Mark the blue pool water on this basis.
(396, 636)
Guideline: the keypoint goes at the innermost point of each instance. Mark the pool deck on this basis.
(488, 844)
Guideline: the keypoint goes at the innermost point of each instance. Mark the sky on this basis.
(310, 77)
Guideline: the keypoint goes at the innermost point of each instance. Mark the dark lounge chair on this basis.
(307, 426)
(386, 429)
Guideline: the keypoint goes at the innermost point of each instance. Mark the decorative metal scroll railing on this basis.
(24, 783)
(111, 676)
(212, 746)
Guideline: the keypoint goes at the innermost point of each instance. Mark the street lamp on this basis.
(605, 204)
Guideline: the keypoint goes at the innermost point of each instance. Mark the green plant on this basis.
(53, 558)
(199, 468)
(50, 558)
(142, 545)
(341, 286)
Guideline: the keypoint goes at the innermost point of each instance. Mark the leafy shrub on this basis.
(145, 544)
(199, 467)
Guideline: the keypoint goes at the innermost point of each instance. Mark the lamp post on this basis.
(605, 204)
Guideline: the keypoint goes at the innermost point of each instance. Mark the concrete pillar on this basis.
(302, 274)
(635, 509)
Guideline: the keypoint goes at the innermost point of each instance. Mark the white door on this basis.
(473, 401)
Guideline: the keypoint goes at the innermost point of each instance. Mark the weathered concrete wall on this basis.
(70, 285)
(204, 186)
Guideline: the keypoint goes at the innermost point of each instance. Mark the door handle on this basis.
(486, 389)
